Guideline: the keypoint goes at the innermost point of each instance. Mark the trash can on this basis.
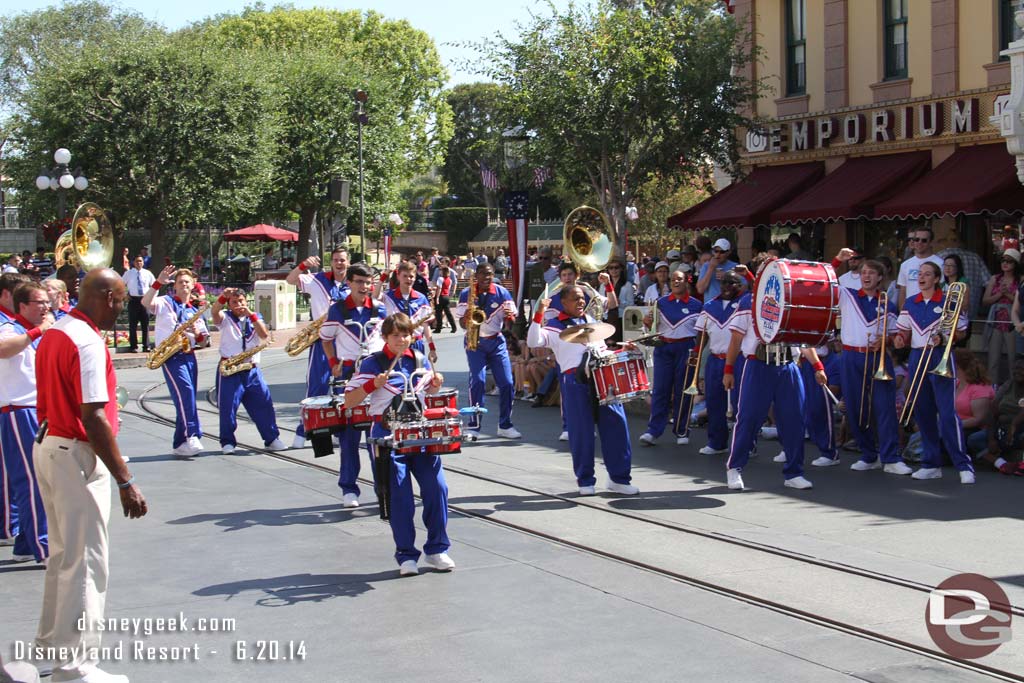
(275, 301)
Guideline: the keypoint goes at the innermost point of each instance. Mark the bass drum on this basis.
(795, 303)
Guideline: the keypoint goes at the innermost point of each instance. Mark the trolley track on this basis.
(742, 596)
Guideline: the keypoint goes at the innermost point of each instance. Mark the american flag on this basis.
(387, 248)
(488, 177)
(541, 176)
(516, 206)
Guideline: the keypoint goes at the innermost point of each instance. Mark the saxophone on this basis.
(306, 337)
(236, 363)
(474, 319)
(176, 341)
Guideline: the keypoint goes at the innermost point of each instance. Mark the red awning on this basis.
(978, 179)
(262, 233)
(749, 201)
(852, 190)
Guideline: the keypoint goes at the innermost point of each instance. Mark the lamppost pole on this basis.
(361, 119)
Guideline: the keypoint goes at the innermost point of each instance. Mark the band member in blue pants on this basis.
(714, 321)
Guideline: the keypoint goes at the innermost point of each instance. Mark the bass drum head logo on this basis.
(968, 616)
(769, 307)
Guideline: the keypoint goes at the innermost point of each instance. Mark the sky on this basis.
(447, 21)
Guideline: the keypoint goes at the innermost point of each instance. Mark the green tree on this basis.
(657, 200)
(169, 137)
(616, 94)
(480, 115)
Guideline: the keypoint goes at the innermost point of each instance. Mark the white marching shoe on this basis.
(510, 433)
(734, 479)
(184, 451)
(195, 444)
(276, 445)
(799, 483)
(781, 457)
(408, 568)
(624, 489)
(588, 491)
(564, 436)
(898, 468)
(928, 473)
(769, 432)
(227, 449)
(823, 461)
(682, 440)
(299, 442)
(646, 439)
(708, 450)
(441, 562)
(966, 477)
(350, 500)
(864, 466)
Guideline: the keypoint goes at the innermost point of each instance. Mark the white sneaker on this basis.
(6, 542)
(682, 440)
(299, 442)
(646, 439)
(864, 466)
(23, 558)
(734, 479)
(966, 477)
(823, 461)
(781, 457)
(473, 434)
(770, 432)
(195, 444)
(799, 483)
(624, 489)
(510, 433)
(276, 445)
(441, 562)
(183, 451)
(494, 392)
(898, 468)
(350, 500)
(408, 568)
(564, 436)
(928, 473)
(227, 449)
(588, 491)
(708, 450)
(126, 458)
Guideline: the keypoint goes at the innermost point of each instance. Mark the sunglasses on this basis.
(718, 251)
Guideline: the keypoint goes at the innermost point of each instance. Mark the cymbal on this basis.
(587, 333)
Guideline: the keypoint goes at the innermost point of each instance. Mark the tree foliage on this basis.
(480, 113)
(622, 91)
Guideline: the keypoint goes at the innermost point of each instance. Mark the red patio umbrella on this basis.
(262, 233)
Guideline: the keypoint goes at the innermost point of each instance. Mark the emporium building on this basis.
(877, 120)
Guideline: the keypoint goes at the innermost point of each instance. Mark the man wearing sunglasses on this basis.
(920, 240)
(851, 278)
(709, 282)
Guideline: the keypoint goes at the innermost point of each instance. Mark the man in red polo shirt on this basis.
(78, 425)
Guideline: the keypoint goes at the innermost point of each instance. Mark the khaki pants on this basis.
(75, 487)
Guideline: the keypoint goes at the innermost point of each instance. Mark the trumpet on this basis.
(950, 316)
(177, 341)
(237, 363)
(867, 389)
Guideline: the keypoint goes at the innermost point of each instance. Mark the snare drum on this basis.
(438, 431)
(322, 414)
(795, 302)
(359, 417)
(446, 397)
(621, 377)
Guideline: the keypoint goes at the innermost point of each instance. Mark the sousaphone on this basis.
(89, 243)
(588, 241)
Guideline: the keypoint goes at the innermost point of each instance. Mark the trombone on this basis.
(694, 362)
(951, 309)
(867, 390)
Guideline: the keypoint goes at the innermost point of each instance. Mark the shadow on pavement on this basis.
(245, 519)
(293, 589)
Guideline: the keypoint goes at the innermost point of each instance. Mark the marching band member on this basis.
(677, 315)
(374, 381)
(405, 299)
(918, 327)
(241, 329)
(861, 335)
(343, 343)
(181, 370)
(714, 321)
(323, 288)
(8, 508)
(58, 293)
(19, 339)
(579, 400)
(770, 379)
(497, 304)
(818, 421)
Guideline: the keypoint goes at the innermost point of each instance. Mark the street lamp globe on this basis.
(67, 181)
(54, 184)
(43, 182)
(81, 183)
(62, 156)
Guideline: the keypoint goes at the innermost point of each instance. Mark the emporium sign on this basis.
(909, 122)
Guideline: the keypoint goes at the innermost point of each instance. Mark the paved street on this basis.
(315, 596)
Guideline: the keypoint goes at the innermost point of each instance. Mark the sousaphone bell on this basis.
(89, 243)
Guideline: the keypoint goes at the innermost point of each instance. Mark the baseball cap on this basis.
(1012, 253)
(661, 264)
(672, 254)
(685, 267)
(722, 244)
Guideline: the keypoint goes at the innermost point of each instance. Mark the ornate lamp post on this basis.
(361, 96)
(1011, 118)
(60, 178)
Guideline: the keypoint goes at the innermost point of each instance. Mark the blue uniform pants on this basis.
(318, 376)
(8, 508)
(248, 389)
(717, 399)
(818, 420)
(578, 404)
(348, 472)
(428, 473)
(671, 375)
(935, 415)
(18, 429)
(761, 387)
(881, 437)
(490, 353)
(182, 374)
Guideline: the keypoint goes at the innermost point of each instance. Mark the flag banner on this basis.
(488, 177)
(541, 176)
(387, 249)
(516, 205)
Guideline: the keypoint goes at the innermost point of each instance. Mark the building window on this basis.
(796, 49)
(895, 38)
(1008, 31)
